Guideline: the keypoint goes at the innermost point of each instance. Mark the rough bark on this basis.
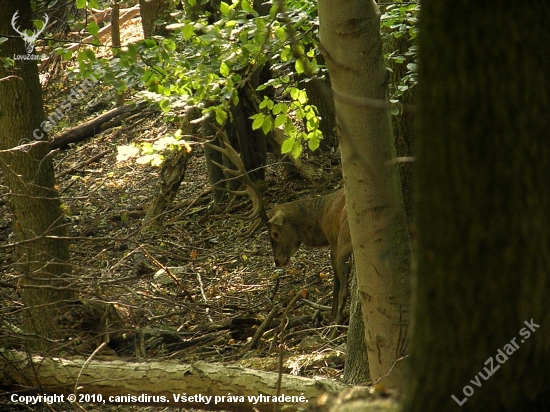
(34, 203)
(115, 41)
(156, 379)
(356, 369)
(151, 11)
(483, 209)
(172, 172)
(350, 41)
(171, 175)
(403, 126)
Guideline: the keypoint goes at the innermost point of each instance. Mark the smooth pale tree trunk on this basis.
(481, 329)
(350, 42)
(37, 220)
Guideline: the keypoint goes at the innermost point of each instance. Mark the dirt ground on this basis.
(225, 284)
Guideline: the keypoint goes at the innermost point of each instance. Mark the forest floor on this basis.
(231, 279)
(226, 284)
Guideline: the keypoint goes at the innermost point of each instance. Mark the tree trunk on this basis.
(483, 209)
(33, 200)
(172, 173)
(115, 41)
(350, 40)
(151, 11)
(356, 369)
(318, 93)
(403, 124)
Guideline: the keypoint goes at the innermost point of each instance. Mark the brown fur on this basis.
(317, 222)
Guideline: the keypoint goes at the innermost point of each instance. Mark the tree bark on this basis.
(350, 41)
(34, 203)
(356, 369)
(482, 210)
(172, 173)
(156, 379)
(151, 11)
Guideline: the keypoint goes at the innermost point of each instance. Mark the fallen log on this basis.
(200, 385)
(94, 126)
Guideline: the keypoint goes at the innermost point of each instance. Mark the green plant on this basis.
(398, 21)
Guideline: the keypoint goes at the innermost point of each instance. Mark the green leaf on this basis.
(221, 115)
(147, 148)
(299, 66)
(281, 33)
(80, 4)
(280, 108)
(224, 8)
(286, 55)
(188, 31)
(259, 38)
(165, 105)
(314, 139)
(296, 149)
(302, 96)
(258, 121)
(93, 28)
(266, 125)
(312, 123)
(263, 103)
(224, 69)
(287, 145)
(245, 5)
(280, 119)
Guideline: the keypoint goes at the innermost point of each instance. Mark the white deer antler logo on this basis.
(29, 40)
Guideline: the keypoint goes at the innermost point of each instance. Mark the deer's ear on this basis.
(278, 218)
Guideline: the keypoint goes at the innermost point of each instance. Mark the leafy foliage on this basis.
(399, 20)
(204, 64)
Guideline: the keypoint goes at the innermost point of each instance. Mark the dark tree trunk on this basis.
(481, 334)
(356, 369)
(403, 128)
(318, 93)
(33, 200)
(115, 40)
(151, 11)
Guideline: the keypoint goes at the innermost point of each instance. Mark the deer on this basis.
(316, 222)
